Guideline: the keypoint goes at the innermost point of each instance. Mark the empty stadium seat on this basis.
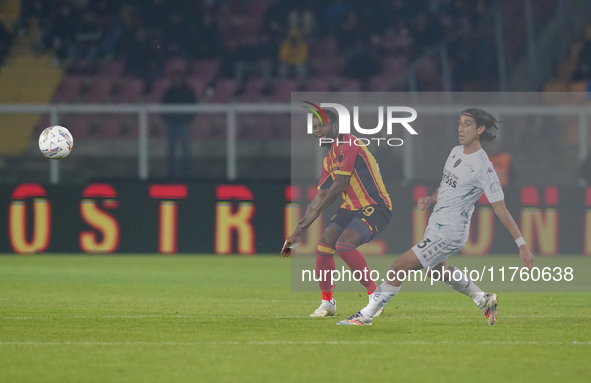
(69, 88)
(197, 85)
(110, 128)
(224, 89)
(80, 127)
(351, 85)
(283, 90)
(318, 84)
(394, 65)
(159, 87)
(206, 70)
(380, 83)
(100, 90)
(113, 68)
(131, 91)
(253, 90)
(175, 65)
(327, 47)
(330, 67)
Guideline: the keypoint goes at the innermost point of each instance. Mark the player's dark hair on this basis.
(483, 118)
(331, 117)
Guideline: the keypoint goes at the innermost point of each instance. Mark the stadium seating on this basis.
(159, 87)
(330, 67)
(176, 65)
(197, 84)
(109, 80)
(69, 89)
(206, 70)
(112, 68)
(351, 85)
(110, 128)
(80, 127)
(131, 91)
(253, 90)
(223, 91)
(100, 90)
(283, 90)
(318, 84)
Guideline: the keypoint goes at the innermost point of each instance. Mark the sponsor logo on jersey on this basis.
(450, 178)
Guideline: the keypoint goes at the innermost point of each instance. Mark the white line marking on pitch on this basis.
(287, 342)
(267, 317)
(161, 316)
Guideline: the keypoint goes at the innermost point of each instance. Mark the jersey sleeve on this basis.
(347, 162)
(488, 181)
(325, 179)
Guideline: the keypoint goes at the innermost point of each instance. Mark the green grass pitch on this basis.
(233, 319)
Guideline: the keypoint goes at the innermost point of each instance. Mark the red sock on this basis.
(356, 261)
(325, 261)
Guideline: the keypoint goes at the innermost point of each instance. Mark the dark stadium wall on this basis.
(254, 218)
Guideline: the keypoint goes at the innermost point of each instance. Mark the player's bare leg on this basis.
(325, 264)
(386, 291)
(458, 281)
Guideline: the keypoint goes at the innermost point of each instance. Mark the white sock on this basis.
(382, 295)
(465, 286)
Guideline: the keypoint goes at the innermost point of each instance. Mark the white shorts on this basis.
(437, 246)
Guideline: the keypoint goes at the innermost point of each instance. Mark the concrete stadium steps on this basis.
(24, 78)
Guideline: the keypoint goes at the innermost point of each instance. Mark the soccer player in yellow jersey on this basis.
(349, 170)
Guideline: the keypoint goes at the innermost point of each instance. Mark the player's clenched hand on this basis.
(289, 246)
(423, 203)
(526, 257)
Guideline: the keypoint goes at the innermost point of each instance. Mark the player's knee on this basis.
(328, 240)
(344, 246)
(436, 272)
(325, 250)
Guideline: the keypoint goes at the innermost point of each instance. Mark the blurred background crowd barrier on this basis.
(547, 144)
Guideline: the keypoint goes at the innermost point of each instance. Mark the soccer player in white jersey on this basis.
(467, 174)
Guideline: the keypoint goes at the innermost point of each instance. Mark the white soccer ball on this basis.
(56, 142)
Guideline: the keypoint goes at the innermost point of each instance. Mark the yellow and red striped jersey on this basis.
(365, 185)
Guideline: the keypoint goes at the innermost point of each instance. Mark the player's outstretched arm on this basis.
(324, 198)
(291, 243)
(501, 211)
(425, 202)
